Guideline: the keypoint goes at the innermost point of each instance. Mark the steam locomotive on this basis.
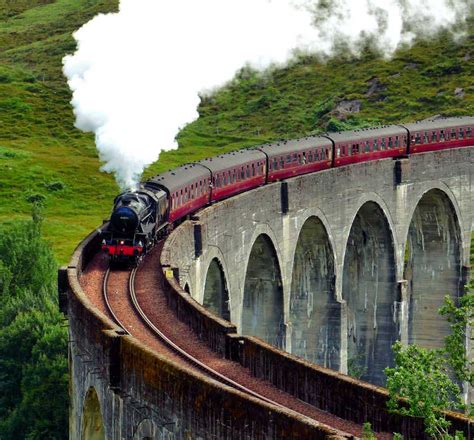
(140, 218)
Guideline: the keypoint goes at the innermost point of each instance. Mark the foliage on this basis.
(421, 377)
(461, 319)
(356, 367)
(33, 339)
(368, 433)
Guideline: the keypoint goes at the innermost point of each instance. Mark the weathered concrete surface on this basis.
(339, 199)
(369, 290)
(262, 311)
(432, 267)
(216, 295)
(314, 311)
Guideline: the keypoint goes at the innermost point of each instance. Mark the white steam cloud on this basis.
(136, 74)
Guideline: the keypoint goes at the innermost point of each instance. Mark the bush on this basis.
(55, 186)
(36, 199)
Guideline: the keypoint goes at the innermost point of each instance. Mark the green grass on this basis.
(40, 147)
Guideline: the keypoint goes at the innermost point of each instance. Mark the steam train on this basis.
(139, 218)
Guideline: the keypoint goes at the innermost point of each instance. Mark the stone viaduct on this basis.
(332, 267)
(337, 265)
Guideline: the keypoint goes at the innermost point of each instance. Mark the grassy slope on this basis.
(39, 146)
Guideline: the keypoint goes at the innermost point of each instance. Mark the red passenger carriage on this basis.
(188, 189)
(235, 172)
(300, 156)
(370, 144)
(440, 134)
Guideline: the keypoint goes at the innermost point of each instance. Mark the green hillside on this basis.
(44, 158)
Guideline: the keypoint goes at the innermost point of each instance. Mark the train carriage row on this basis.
(239, 171)
(182, 191)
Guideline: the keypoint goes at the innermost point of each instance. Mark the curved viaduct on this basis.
(333, 267)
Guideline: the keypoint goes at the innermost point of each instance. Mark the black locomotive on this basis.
(135, 224)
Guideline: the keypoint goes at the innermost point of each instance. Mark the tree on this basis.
(33, 339)
(461, 320)
(420, 377)
(424, 378)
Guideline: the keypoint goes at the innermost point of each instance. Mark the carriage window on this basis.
(328, 154)
(397, 142)
(310, 156)
(441, 135)
(367, 146)
(347, 150)
(376, 144)
(288, 159)
(390, 142)
(382, 144)
(355, 149)
(275, 164)
(253, 169)
(242, 173)
(461, 133)
(468, 132)
(453, 133)
(434, 136)
(323, 154)
(338, 151)
(426, 138)
(418, 138)
(282, 162)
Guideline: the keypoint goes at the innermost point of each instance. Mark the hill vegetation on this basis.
(44, 159)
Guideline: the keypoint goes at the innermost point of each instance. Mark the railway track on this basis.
(126, 299)
(170, 344)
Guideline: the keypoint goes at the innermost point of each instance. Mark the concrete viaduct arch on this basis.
(334, 197)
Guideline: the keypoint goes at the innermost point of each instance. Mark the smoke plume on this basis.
(136, 74)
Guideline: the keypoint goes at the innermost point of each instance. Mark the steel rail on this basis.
(107, 303)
